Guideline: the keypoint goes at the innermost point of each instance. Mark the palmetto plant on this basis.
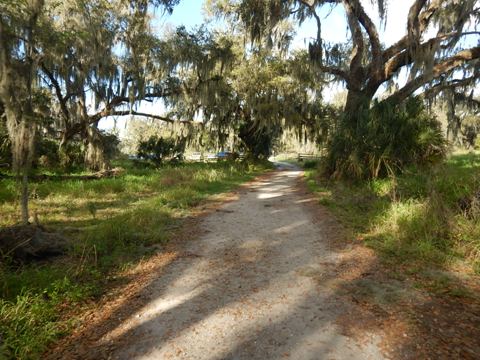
(388, 138)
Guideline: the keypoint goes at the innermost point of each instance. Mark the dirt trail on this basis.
(254, 285)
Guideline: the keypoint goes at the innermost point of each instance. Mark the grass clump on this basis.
(112, 223)
(31, 320)
(422, 218)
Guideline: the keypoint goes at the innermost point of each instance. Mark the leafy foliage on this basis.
(158, 148)
(387, 139)
(471, 132)
(364, 63)
(262, 94)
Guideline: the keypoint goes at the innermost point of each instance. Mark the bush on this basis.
(72, 155)
(157, 149)
(110, 142)
(470, 132)
(47, 153)
(385, 140)
(310, 164)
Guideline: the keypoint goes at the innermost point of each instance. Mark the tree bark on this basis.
(94, 154)
(453, 121)
(357, 103)
(24, 198)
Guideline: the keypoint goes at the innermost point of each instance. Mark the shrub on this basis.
(384, 140)
(47, 153)
(72, 155)
(157, 148)
(310, 164)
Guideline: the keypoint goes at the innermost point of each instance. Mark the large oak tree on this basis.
(439, 47)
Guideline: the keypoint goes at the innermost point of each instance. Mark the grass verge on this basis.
(423, 219)
(112, 223)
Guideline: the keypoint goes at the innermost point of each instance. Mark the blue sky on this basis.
(188, 13)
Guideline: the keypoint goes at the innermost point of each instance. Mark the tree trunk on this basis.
(358, 102)
(453, 122)
(24, 198)
(343, 158)
(454, 130)
(22, 134)
(18, 81)
(94, 155)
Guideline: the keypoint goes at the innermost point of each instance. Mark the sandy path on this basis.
(252, 286)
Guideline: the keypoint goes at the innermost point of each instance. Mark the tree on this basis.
(53, 55)
(256, 95)
(19, 30)
(364, 63)
(461, 116)
(89, 78)
(150, 69)
(5, 151)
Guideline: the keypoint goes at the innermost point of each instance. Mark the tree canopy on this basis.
(439, 50)
(363, 62)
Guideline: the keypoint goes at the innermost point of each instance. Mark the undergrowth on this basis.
(384, 139)
(426, 217)
(112, 223)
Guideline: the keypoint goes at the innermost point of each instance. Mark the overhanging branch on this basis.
(142, 114)
(335, 71)
(423, 22)
(438, 70)
(452, 84)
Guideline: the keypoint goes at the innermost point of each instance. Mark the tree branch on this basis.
(58, 91)
(438, 70)
(317, 19)
(414, 30)
(423, 22)
(356, 69)
(406, 58)
(93, 119)
(335, 71)
(452, 84)
(369, 26)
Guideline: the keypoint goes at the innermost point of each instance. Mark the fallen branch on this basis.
(95, 176)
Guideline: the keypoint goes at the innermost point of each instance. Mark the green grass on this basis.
(415, 219)
(112, 222)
